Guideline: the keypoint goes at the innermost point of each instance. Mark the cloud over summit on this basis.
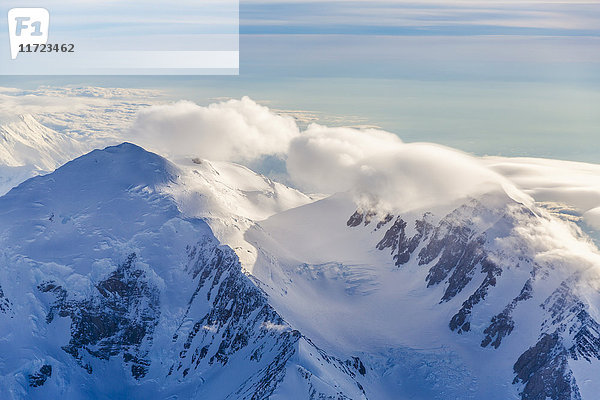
(383, 171)
(235, 130)
(376, 165)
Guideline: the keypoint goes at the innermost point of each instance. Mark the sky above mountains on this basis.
(514, 78)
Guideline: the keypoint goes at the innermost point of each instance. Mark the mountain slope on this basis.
(105, 280)
(498, 297)
(123, 267)
(28, 148)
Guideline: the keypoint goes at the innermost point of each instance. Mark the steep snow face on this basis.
(27, 142)
(231, 197)
(484, 298)
(44, 128)
(57, 125)
(104, 280)
(28, 148)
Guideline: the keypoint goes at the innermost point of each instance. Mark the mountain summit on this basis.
(104, 280)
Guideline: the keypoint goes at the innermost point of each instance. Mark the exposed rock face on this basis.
(4, 302)
(179, 317)
(460, 321)
(570, 316)
(395, 238)
(544, 371)
(119, 318)
(176, 317)
(359, 217)
(39, 378)
(502, 324)
(358, 365)
(239, 320)
(457, 250)
(240, 326)
(587, 339)
(355, 219)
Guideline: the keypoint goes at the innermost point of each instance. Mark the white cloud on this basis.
(553, 243)
(210, 328)
(65, 100)
(592, 217)
(45, 127)
(375, 165)
(235, 130)
(326, 159)
(574, 184)
(275, 327)
(380, 169)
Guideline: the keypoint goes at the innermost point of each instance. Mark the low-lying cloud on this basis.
(376, 165)
(385, 172)
(574, 184)
(235, 130)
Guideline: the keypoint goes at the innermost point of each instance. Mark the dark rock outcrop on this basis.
(401, 246)
(355, 219)
(459, 249)
(5, 304)
(239, 325)
(570, 316)
(39, 378)
(502, 324)
(544, 371)
(118, 319)
(460, 321)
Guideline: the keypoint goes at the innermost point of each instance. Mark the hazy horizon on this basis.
(501, 78)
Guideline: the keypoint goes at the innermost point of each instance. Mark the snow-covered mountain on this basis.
(43, 128)
(110, 291)
(483, 299)
(126, 276)
(28, 148)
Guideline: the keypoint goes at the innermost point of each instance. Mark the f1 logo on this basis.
(27, 26)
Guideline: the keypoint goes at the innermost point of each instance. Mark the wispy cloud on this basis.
(422, 18)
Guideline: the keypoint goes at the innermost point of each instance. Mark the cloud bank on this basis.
(375, 165)
(235, 130)
(385, 172)
(574, 184)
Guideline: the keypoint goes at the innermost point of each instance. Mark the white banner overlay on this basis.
(96, 37)
(27, 26)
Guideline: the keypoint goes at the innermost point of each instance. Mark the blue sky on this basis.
(488, 77)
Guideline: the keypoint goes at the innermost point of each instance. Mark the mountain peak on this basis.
(127, 160)
(105, 171)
